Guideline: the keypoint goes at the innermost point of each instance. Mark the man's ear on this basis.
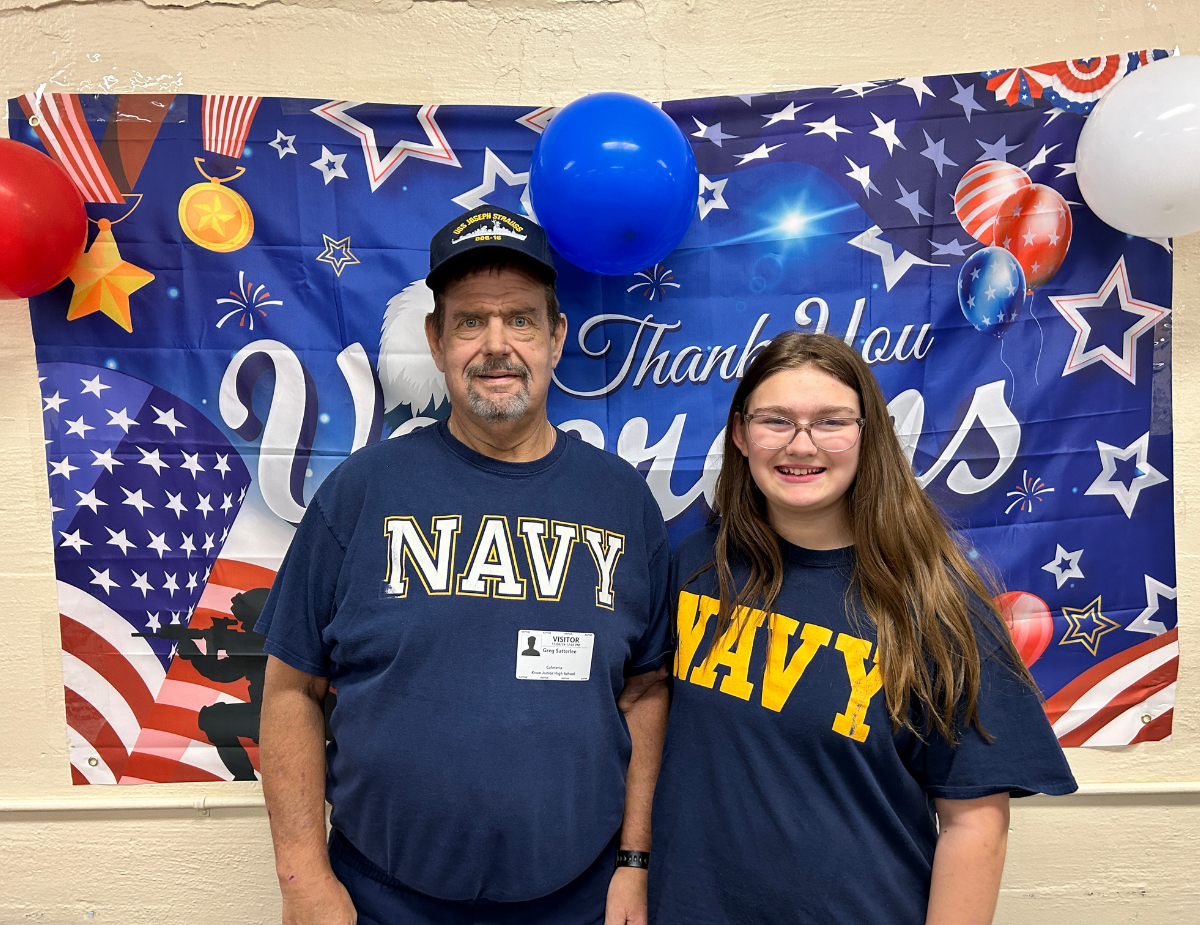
(559, 338)
(434, 337)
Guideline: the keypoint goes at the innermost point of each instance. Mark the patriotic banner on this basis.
(250, 310)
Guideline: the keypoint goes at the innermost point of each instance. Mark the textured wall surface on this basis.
(1084, 860)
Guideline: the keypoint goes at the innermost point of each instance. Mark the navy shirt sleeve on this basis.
(1022, 758)
(648, 652)
(301, 602)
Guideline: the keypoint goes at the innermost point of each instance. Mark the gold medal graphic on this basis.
(214, 216)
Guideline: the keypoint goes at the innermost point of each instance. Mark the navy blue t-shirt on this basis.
(477, 618)
(781, 798)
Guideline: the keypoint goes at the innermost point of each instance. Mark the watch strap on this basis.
(633, 859)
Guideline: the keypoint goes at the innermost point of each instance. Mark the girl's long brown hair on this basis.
(910, 573)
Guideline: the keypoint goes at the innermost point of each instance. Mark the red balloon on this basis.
(43, 225)
(1029, 621)
(1034, 225)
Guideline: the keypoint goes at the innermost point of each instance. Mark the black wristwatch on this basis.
(633, 859)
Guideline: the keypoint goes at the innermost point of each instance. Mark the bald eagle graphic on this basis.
(414, 390)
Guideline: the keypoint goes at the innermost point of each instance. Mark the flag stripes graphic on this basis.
(226, 121)
(60, 125)
(171, 745)
(1126, 698)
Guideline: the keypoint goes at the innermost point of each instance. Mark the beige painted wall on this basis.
(1098, 859)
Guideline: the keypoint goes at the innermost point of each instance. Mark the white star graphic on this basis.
(828, 127)
(120, 540)
(175, 503)
(53, 402)
(222, 465)
(74, 540)
(862, 176)
(191, 582)
(917, 85)
(63, 468)
(283, 143)
(171, 584)
(537, 119)
(493, 167)
(936, 152)
(208, 544)
(106, 460)
(859, 89)
(437, 150)
(204, 506)
(1146, 476)
(191, 462)
(93, 385)
(153, 624)
(788, 113)
(990, 292)
(1154, 590)
(712, 132)
(1040, 157)
(1070, 307)
(996, 151)
(152, 460)
(189, 546)
(965, 97)
(141, 582)
(951, 248)
(330, 165)
(103, 580)
(78, 427)
(135, 499)
(89, 499)
(887, 132)
(911, 202)
(1052, 114)
(1064, 565)
(1028, 238)
(158, 542)
(717, 188)
(226, 502)
(761, 153)
(167, 419)
(224, 534)
(121, 419)
(894, 267)
(1065, 170)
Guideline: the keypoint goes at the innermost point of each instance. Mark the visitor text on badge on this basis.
(550, 655)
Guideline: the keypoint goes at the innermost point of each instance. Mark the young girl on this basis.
(849, 715)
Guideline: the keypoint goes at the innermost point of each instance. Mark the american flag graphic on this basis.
(227, 123)
(143, 489)
(1124, 699)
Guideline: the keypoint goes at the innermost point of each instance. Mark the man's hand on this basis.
(320, 900)
(626, 897)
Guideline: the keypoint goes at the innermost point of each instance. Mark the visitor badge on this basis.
(551, 655)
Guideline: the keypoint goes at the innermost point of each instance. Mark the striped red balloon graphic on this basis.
(1029, 621)
(980, 193)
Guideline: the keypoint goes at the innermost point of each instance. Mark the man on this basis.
(469, 784)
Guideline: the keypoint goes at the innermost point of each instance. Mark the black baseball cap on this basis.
(489, 228)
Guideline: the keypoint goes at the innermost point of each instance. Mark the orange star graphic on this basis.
(104, 282)
(212, 216)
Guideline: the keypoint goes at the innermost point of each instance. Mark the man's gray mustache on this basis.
(497, 366)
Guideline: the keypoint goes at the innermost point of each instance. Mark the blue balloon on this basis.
(614, 183)
(991, 290)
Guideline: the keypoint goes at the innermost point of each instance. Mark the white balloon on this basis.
(1138, 159)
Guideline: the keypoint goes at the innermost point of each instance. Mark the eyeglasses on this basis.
(833, 435)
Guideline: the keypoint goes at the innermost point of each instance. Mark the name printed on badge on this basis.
(553, 655)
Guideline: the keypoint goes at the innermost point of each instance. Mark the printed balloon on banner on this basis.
(982, 191)
(1034, 225)
(991, 290)
(1029, 621)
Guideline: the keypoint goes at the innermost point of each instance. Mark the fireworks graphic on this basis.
(1027, 492)
(655, 282)
(248, 300)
